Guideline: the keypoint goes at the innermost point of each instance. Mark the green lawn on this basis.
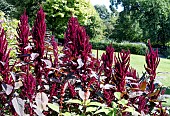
(138, 61)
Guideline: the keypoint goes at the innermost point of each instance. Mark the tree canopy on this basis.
(150, 18)
(59, 11)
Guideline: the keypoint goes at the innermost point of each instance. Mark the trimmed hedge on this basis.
(135, 48)
(166, 52)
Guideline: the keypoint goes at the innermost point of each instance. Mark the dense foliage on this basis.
(43, 81)
(31, 7)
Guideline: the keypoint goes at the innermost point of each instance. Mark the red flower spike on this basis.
(72, 90)
(4, 58)
(108, 95)
(38, 33)
(70, 36)
(53, 90)
(5, 75)
(121, 69)
(29, 86)
(132, 73)
(107, 63)
(142, 105)
(152, 61)
(23, 33)
(76, 40)
(62, 93)
(55, 51)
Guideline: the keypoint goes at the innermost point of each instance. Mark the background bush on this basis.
(135, 48)
(166, 52)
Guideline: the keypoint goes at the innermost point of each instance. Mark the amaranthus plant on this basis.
(46, 81)
(6, 77)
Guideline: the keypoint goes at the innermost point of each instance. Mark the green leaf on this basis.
(61, 14)
(87, 102)
(91, 109)
(123, 102)
(114, 105)
(112, 113)
(105, 110)
(1, 78)
(95, 104)
(76, 101)
(66, 114)
(54, 107)
(117, 95)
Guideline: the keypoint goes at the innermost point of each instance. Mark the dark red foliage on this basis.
(23, 34)
(108, 63)
(122, 63)
(152, 61)
(29, 86)
(38, 33)
(4, 58)
(55, 51)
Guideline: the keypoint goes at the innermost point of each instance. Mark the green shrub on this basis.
(166, 52)
(135, 48)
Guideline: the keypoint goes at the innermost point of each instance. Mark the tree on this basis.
(155, 20)
(151, 15)
(59, 11)
(103, 12)
(7, 8)
(126, 29)
(108, 18)
(31, 7)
